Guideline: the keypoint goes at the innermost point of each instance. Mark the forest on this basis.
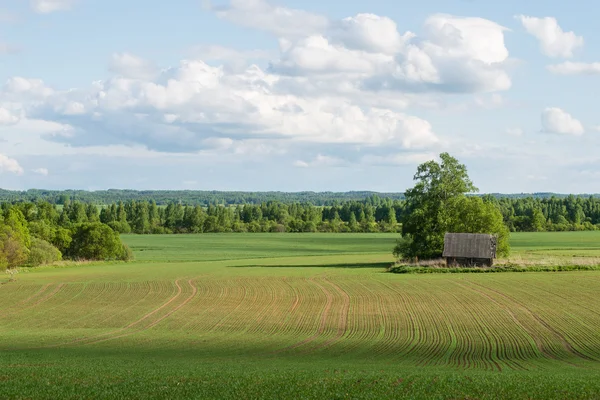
(373, 214)
(206, 198)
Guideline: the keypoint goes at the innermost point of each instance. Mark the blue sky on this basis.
(289, 95)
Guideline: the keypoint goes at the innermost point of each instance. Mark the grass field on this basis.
(300, 316)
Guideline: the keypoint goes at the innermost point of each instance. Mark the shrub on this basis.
(42, 253)
(126, 253)
(96, 241)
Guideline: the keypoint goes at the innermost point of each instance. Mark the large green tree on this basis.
(97, 241)
(437, 204)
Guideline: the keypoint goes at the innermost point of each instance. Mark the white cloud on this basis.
(234, 59)
(316, 54)
(130, 66)
(337, 83)
(398, 159)
(262, 15)
(555, 120)
(186, 105)
(514, 131)
(41, 171)
(454, 54)
(371, 33)
(553, 40)
(575, 68)
(8, 164)
(22, 88)
(7, 117)
(320, 161)
(49, 6)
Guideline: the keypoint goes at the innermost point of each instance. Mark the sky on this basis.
(292, 95)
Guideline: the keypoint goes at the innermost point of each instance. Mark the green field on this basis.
(300, 316)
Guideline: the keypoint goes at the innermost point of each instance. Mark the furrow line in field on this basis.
(342, 323)
(565, 343)
(271, 311)
(400, 331)
(61, 295)
(111, 334)
(575, 331)
(205, 304)
(535, 339)
(146, 289)
(239, 303)
(406, 307)
(156, 322)
(71, 320)
(28, 299)
(322, 322)
(366, 322)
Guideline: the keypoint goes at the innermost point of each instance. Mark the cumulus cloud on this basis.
(11, 165)
(455, 54)
(575, 68)
(345, 82)
(553, 40)
(556, 120)
(186, 105)
(7, 117)
(49, 6)
(233, 59)
(370, 33)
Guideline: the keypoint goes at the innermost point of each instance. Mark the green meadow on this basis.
(313, 316)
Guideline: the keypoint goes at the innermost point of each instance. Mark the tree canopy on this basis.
(438, 204)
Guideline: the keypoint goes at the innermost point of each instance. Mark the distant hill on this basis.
(193, 197)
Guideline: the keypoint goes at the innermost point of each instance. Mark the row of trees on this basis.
(147, 217)
(190, 197)
(531, 215)
(371, 215)
(35, 237)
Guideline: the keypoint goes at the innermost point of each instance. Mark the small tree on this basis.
(97, 241)
(42, 253)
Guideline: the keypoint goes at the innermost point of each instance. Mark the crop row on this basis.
(480, 322)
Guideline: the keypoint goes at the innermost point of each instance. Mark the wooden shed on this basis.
(469, 249)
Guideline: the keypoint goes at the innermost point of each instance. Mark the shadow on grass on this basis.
(344, 265)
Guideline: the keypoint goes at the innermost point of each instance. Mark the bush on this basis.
(42, 253)
(120, 226)
(126, 253)
(97, 241)
(62, 239)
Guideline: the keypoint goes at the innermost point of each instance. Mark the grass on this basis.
(299, 316)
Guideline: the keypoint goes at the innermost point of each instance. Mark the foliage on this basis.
(97, 241)
(14, 239)
(42, 253)
(438, 204)
(410, 269)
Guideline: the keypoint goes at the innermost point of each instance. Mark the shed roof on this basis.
(469, 245)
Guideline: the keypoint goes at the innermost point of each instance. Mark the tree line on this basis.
(373, 214)
(188, 197)
(33, 234)
(224, 198)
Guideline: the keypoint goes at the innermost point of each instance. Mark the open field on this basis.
(300, 316)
